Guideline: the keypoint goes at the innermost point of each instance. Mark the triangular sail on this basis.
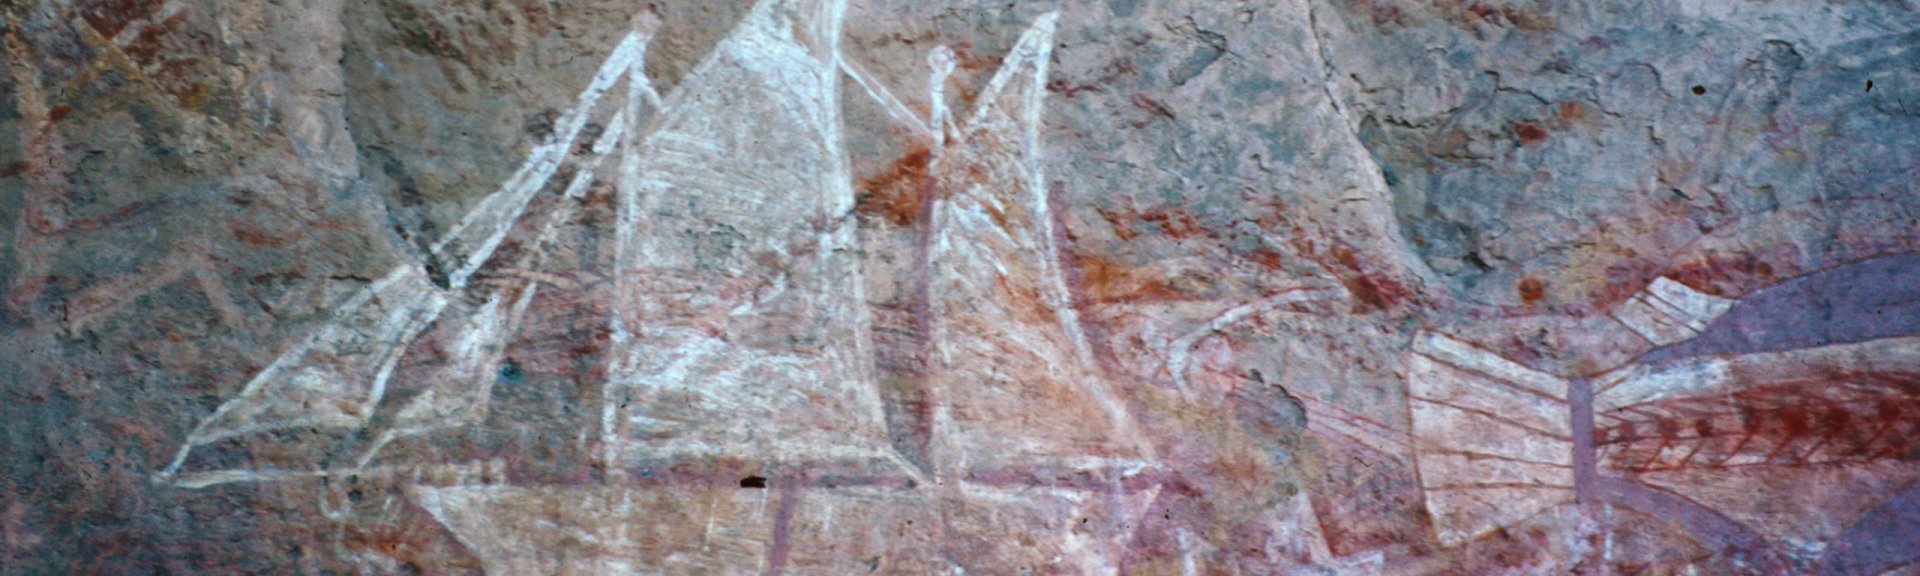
(336, 377)
(740, 333)
(1014, 378)
(458, 394)
(459, 391)
(740, 326)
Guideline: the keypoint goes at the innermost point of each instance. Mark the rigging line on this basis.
(895, 108)
(541, 164)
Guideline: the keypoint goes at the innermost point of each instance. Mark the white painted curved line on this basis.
(1180, 351)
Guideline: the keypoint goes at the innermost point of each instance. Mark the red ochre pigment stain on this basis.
(1529, 133)
(895, 195)
(1532, 290)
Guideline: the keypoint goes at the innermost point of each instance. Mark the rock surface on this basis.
(914, 287)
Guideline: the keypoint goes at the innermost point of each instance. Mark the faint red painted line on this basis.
(103, 298)
(1490, 415)
(1360, 429)
(1652, 459)
(1485, 456)
(1735, 451)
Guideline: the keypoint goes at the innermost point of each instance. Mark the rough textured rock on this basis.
(913, 287)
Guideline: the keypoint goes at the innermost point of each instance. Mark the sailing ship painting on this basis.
(741, 423)
(739, 336)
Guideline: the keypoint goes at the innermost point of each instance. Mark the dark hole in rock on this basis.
(1699, 90)
(753, 482)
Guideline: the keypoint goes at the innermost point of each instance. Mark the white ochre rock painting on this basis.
(1667, 311)
(1498, 444)
(1028, 372)
(740, 333)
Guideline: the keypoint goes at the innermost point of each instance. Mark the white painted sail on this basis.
(458, 394)
(335, 377)
(1014, 379)
(1493, 439)
(741, 327)
(741, 333)
(1667, 311)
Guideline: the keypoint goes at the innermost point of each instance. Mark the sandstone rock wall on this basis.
(1288, 286)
